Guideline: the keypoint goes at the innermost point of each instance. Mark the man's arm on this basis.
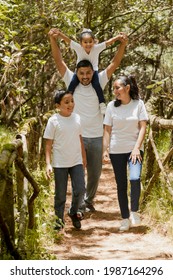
(60, 64)
(118, 56)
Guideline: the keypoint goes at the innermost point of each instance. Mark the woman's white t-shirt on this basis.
(124, 121)
(64, 131)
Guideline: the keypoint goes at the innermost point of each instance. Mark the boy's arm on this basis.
(60, 64)
(117, 57)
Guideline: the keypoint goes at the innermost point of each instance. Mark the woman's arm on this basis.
(135, 154)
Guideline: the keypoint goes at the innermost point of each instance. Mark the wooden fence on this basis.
(20, 158)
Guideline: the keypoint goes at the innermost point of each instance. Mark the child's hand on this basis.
(48, 170)
(54, 32)
(122, 37)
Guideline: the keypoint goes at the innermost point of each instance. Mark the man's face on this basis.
(85, 75)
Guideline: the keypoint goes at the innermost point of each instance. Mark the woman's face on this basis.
(121, 91)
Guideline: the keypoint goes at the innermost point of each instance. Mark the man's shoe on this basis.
(75, 220)
(89, 208)
(125, 225)
(80, 215)
(135, 219)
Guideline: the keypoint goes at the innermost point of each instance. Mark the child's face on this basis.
(66, 105)
(87, 42)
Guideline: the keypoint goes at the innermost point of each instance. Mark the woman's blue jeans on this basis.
(78, 189)
(120, 163)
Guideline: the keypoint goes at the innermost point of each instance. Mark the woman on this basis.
(125, 127)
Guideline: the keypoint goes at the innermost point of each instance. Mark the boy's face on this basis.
(87, 42)
(85, 75)
(66, 105)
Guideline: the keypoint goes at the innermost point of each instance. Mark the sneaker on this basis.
(135, 219)
(102, 108)
(80, 215)
(59, 225)
(75, 220)
(90, 208)
(125, 225)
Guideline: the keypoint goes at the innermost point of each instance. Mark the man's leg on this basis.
(93, 147)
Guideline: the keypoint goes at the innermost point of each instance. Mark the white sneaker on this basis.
(125, 225)
(135, 219)
(102, 108)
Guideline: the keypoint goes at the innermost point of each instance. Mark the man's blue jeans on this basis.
(119, 163)
(78, 189)
(93, 148)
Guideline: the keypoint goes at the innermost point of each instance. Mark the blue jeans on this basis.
(78, 189)
(95, 83)
(119, 163)
(93, 148)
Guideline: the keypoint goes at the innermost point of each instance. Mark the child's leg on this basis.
(97, 87)
(73, 84)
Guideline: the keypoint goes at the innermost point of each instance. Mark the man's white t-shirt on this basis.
(64, 131)
(87, 105)
(124, 121)
(93, 56)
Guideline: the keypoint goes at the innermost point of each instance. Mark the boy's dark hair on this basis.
(59, 95)
(84, 63)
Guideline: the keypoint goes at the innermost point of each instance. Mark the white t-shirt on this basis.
(124, 121)
(87, 105)
(93, 56)
(64, 131)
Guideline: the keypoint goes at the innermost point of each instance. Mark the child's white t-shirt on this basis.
(64, 131)
(93, 56)
(124, 121)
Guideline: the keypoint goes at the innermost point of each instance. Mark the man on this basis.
(87, 106)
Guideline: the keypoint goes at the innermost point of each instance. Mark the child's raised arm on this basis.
(64, 37)
(114, 39)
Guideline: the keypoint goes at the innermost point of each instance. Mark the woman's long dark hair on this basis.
(134, 91)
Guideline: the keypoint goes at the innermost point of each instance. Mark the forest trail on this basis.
(99, 237)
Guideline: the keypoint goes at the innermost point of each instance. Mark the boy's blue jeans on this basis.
(120, 163)
(78, 189)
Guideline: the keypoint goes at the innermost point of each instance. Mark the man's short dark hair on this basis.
(84, 63)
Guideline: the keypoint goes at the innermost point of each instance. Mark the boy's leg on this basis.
(61, 179)
(97, 87)
(73, 84)
(78, 187)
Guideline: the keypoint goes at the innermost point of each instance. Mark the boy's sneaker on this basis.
(80, 215)
(125, 225)
(59, 225)
(75, 220)
(102, 108)
(135, 219)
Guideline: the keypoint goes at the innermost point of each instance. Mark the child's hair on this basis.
(59, 95)
(84, 32)
(134, 91)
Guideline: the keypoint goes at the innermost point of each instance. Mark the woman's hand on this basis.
(135, 155)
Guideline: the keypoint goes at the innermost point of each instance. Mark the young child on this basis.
(88, 49)
(64, 142)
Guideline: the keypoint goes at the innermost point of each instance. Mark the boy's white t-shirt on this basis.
(87, 105)
(64, 131)
(93, 56)
(124, 121)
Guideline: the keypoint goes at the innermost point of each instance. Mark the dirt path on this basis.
(99, 238)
